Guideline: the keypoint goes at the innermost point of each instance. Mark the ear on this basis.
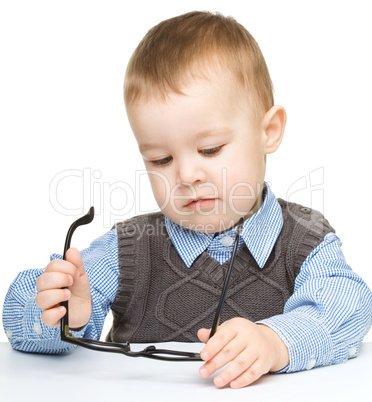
(274, 125)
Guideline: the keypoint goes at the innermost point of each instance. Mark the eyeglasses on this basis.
(150, 352)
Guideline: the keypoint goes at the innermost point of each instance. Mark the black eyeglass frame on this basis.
(150, 352)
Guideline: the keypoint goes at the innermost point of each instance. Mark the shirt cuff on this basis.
(38, 337)
(309, 345)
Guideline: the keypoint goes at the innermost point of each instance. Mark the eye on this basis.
(211, 151)
(162, 162)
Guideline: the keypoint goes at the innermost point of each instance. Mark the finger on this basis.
(62, 266)
(226, 355)
(53, 316)
(203, 334)
(53, 280)
(80, 287)
(221, 338)
(242, 362)
(74, 257)
(50, 298)
(253, 373)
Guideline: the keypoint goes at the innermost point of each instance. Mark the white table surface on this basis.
(85, 375)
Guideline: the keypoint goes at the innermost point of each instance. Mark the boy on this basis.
(199, 100)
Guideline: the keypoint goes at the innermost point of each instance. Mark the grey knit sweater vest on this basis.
(159, 299)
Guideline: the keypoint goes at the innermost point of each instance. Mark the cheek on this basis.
(241, 197)
(246, 166)
(242, 185)
(160, 186)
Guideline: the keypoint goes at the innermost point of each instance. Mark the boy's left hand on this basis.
(251, 349)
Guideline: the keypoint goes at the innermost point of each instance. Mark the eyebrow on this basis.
(202, 134)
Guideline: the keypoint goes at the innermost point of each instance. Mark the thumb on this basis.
(73, 255)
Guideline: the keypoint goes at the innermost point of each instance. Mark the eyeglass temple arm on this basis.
(227, 280)
(84, 220)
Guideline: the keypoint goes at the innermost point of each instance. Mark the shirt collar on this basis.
(259, 233)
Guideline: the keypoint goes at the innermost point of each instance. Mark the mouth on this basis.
(200, 203)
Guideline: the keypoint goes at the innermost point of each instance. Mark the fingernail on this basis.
(204, 372)
(70, 280)
(67, 293)
(218, 380)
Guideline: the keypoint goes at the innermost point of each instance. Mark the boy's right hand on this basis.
(59, 274)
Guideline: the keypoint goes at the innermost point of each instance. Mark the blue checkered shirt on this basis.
(323, 322)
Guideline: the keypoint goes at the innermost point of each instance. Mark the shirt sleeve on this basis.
(329, 313)
(22, 317)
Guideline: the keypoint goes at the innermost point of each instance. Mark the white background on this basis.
(61, 114)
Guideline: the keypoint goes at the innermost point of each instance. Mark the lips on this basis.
(201, 203)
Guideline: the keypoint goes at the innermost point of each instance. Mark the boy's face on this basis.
(204, 155)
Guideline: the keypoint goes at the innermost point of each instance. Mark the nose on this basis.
(190, 171)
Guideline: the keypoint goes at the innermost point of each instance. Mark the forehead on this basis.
(206, 105)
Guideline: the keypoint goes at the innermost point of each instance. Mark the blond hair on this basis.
(188, 46)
